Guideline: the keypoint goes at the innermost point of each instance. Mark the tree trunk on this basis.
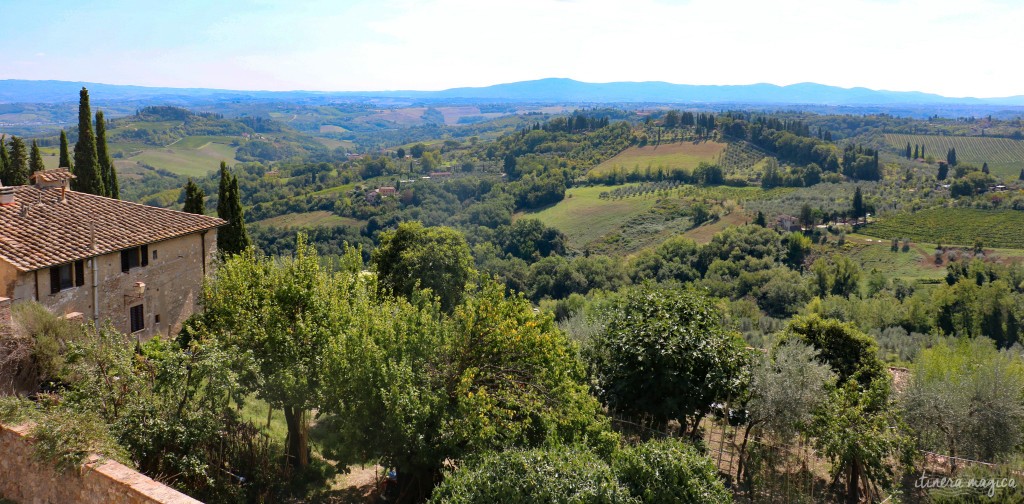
(415, 484)
(853, 483)
(296, 450)
(743, 452)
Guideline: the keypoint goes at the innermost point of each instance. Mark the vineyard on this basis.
(1005, 157)
(675, 156)
(954, 226)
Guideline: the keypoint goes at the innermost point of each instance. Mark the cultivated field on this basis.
(684, 155)
(1005, 157)
(954, 226)
(584, 217)
(191, 156)
(309, 219)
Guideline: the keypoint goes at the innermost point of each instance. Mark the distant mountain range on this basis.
(535, 91)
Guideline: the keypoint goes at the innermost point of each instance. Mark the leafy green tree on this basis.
(417, 150)
(966, 399)
(416, 388)
(413, 257)
(65, 158)
(666, 354)
(89, 177)
(760, 220)
(232, 238)
(17, 164)
(859, 430)
(400, 153)
(35, 160)
(837, 275)
(106, 165)
(943, 171)
(852, 354)
(279, 319)
(194, 197)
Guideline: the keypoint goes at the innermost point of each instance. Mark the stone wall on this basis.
(172, 279)
(26, 481)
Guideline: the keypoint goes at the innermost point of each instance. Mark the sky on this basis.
(950, 47)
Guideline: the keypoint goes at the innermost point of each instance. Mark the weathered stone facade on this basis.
(171, 284)
(26, 481)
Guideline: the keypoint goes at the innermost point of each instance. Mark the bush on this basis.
(555, 475)
(669, 471)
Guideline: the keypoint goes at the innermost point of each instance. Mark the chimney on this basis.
(6, 196)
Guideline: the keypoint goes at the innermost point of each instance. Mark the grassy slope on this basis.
(193, 156)
(584, 217)
(309, 219)
(1005, 157)
(685, 155)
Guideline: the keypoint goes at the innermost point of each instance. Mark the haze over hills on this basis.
(554, 90)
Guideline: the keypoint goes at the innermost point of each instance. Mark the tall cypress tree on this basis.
(17, 167)
(908, 150)
(65, 158)
(105, 163)
(87, 169)
(232, 237)
(35, 160)
(858, 204)
(5, 159)
(194, 198)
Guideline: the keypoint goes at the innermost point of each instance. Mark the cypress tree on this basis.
(858, 204)
(17, 168)
(106, 164)
(194, 198)
(5, 160)
(232, 238)
(1021, 176)
(35, 160)
(908, 150)
(89, 179)
(65, 159)
(915, 152)
(984, 168)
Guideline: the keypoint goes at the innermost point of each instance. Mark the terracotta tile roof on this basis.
(54, 232)
(55, 175)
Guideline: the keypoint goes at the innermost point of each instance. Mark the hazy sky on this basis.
(950, 47)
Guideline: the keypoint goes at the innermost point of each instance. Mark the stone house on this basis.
(139, 267)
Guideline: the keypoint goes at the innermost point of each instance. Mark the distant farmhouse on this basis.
(140, 267)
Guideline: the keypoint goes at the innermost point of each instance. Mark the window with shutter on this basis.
(62, 277)
(54, 280)
(135, 316)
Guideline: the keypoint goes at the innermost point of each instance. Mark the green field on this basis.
(1005, 157)
(309, 219)
(876, 254)
(584, 217)
(192, 156)
(954, 226)
(684, 155)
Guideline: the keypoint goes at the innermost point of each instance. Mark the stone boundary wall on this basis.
(26, 481)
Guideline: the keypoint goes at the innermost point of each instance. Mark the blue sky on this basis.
(950, 47)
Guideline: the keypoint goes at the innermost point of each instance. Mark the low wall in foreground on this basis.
(27, 481)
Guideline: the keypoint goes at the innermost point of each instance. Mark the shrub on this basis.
(669, 471)
(559, 474)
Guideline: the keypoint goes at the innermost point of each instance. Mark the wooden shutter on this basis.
(79, 273)
(125, 265)
(145, 255)
(54, 279)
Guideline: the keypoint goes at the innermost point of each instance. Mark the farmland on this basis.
(192, 156)
(585, 217)
(684, 155)
(954, 226)
(1005, 157)
(309, 219)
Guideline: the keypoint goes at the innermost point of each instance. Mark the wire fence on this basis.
(764, 470)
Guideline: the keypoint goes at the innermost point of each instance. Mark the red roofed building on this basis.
(137, 266)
